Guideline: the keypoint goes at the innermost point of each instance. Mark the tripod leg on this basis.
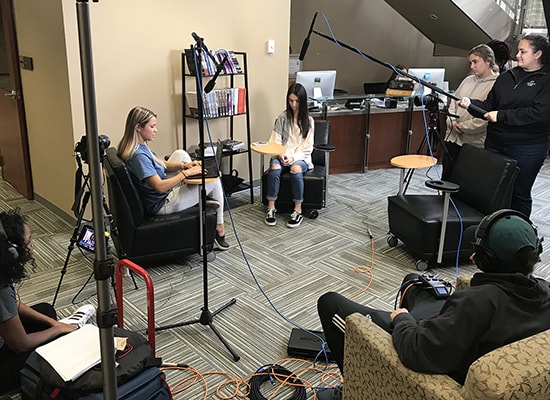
(114, 232)
(236, 357)
(72, 242)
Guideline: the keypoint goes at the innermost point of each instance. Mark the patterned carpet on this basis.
(275, 274)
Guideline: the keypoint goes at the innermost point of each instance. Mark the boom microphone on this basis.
(212, 82)
(305, 45)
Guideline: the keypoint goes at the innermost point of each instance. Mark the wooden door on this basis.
(14, 149)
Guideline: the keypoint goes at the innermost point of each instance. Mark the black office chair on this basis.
(481, 182)
(315, 180)
(145, 238)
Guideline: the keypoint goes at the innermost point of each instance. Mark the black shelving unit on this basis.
(223, 81)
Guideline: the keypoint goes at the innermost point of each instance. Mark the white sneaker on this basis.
(270, 216)
(81, 316)
(295, 220)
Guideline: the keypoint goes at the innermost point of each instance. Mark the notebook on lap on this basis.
(211, 164)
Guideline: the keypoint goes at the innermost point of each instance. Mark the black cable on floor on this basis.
(276, 373)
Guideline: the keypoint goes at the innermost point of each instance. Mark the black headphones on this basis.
(12, 247)
(485, 258)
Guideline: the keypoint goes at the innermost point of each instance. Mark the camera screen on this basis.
(86, 239)
(441, 290)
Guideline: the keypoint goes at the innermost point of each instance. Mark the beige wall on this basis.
(136, 50)
(41, 35)
(372, 27)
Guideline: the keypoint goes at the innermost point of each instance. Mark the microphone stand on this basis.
(206, 317)
(103, 263)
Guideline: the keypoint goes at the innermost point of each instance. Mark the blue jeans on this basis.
(530, 158)
(296, 180)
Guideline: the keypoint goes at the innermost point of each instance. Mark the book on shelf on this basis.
(241, 104)
(232, 145)
(235, 62)
(218, 103)
(208, 66)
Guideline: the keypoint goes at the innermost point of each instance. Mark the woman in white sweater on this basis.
(466, 128)
(294, 130)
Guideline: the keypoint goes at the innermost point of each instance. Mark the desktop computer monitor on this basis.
(435, 76)
(318, 84)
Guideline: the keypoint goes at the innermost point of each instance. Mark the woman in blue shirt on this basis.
(161, 184)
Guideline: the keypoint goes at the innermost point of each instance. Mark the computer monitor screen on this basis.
(435, 76)
(318, 84)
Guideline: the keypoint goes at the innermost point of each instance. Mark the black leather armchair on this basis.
(480, 183)
(315, 180)
(150, 238)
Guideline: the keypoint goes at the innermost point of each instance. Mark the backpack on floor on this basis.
(137, 373)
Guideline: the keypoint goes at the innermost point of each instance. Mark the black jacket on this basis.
(496, 310)
(523, 105)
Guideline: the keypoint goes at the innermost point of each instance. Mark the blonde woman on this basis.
(161, 184)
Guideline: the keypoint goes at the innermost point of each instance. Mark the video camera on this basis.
(430, 101)
(82, 147)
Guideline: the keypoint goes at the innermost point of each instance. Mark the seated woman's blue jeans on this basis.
(296, 180)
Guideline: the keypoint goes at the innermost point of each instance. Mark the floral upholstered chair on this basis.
(519, 370)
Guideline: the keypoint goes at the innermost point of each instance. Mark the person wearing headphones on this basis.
(439, 334)
(24, 328)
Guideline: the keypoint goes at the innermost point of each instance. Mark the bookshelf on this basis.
(228, 100)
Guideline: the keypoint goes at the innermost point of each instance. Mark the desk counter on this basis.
(370, 138)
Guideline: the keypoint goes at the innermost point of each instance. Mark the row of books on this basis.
(218, 103)
(208, 66)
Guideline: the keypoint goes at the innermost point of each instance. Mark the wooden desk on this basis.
(198, 181)
(268, 149)
(369, 140)
(410, 162)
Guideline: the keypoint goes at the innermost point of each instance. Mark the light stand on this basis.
(206, 316)
(103, 263)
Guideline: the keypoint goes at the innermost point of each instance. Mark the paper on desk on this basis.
(74, 353)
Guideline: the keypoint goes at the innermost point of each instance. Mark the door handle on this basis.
(13, 94)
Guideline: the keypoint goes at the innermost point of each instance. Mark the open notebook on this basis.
(74, 353)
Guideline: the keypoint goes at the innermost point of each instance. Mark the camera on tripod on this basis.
(430, 101)
(82, 147)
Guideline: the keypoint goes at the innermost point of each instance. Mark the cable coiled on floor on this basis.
(277, 373)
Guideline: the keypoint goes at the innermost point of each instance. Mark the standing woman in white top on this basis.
(466, 128)
(294, 130)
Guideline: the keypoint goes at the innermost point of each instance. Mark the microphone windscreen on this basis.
(477, 110)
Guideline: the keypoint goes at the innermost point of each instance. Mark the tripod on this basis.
(432, 138)
(206, 317)
(83, 193)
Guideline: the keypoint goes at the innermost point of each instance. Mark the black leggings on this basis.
(420, 303)
(13, 362)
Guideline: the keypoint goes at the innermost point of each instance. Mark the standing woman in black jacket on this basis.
(518, 111)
